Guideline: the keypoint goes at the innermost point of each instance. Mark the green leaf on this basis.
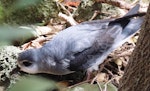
(25, 3)
(33, 83)
(9, 34)
(92, 87)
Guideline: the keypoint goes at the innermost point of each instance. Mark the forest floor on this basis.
(110, 71)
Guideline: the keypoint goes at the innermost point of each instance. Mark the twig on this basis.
(44, 30)
(94, 15)
(118, 3)
(119, 69)
(35, 43)
(94, 79)
(26, 45)
(126, 53)
(68, 18)
(79, 83)
(105, 85)
(109, 71)
(102, 65)
(63, 7)
(100, 88)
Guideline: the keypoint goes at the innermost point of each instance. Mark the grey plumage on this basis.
(81, 47)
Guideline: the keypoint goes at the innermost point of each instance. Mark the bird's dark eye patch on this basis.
(27, 64)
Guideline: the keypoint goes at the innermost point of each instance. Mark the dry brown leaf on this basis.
(101, 77)
(74, 3)
(37, 43)
(44, 30)
(63, 83)
(119, 61)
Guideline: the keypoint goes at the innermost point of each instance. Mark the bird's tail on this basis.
(133, 26)
(130, 23)
(129, 30)
(134, 10)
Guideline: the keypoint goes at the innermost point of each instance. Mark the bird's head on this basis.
(28, 61)
(38, 61)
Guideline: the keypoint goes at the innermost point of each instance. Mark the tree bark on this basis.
(137, 73)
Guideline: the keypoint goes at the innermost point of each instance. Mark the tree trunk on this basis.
(137, 73)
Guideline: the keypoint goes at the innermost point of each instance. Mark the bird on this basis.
(81, 47)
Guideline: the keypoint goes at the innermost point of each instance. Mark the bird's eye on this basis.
(27, 64)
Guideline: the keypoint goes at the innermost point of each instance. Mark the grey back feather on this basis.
(113, 35)
(84, 43)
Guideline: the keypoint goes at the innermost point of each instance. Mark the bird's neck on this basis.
(52, 52)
